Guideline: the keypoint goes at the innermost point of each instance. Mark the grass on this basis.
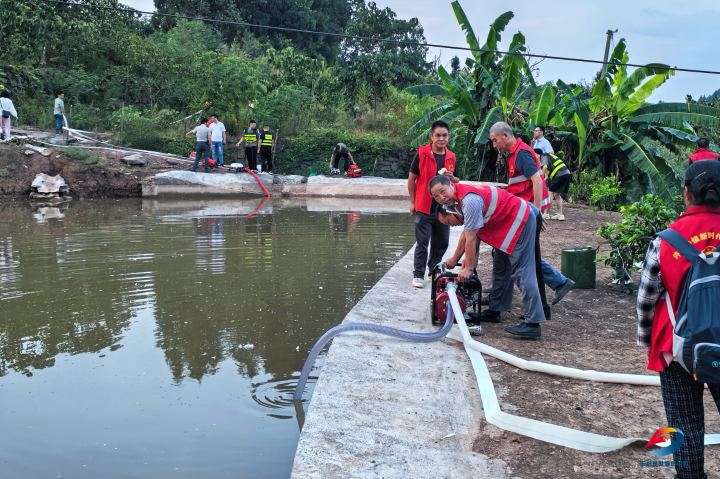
(156, 166)
(78, 169)
(91, 160)
(77, 153)
(101, 163)
(4, 172)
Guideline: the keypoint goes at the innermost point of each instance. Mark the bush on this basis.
(630, 239)
(580, 188)
(91, 160)
(605, 193)
(77, 153)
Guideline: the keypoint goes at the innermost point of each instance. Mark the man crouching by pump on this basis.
(501, 220)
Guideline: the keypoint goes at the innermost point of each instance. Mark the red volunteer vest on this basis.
(504, 214)
(701, 226)
(703, 154)
(520, 186)
(428, 170)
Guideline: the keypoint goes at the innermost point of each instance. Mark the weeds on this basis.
(4, 172)
(77, 153)
(156, 166)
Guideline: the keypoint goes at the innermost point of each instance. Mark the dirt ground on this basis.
(590, 329)
(115, 180)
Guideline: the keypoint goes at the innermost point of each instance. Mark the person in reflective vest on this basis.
(430, 160)
(663, 276)
(702, 152)
(250, 136)
(265, 149)
(525, 181)
(501, 220)
(559, 175)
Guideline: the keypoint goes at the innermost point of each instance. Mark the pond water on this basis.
(163, 338)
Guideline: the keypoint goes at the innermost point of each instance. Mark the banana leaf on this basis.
(582, 137)
(432, 90)
(638, 156)
(643, 93)
(470, 37)
(635, 79)
(432, 116)
(483, 131)
(543, 106)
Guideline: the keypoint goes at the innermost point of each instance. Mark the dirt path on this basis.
(590, 329)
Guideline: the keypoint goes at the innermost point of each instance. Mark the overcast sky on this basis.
(661, 31)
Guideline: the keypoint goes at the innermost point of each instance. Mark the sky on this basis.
(657, 31)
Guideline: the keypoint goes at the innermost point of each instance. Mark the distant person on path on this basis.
(540, 142)
(216, 137)
(250, 136)
(559, 175)
(7, 108)
(430, 160)
(341, 150)
(59, 112)
(702, 152)
(663, 276)
(265, 149)
(202, 132)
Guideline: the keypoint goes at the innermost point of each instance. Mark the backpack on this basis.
(354, 171)
(696, 334)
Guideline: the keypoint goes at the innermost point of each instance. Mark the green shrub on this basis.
(605, 193)
(580, 188)
(78, 168)
(630, 239)
(4, 173)
(77, 153)
(101, 163)
(156, 166)
(91, 160)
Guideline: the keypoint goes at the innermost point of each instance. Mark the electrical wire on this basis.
(387, 40)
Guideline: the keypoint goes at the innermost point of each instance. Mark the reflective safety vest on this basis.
(267, 140)
(249, 136)
(556, 166)
(703, 154)
(504, 215)
(428, 170)
(520, 186)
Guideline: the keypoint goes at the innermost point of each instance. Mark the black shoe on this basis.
(562, 290)
(487, 290)
(490, 316)
(207, 170)
(527, 330)
(485, 301)
(193, 169)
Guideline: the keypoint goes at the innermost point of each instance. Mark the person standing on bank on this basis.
(526, 182)
(540, 142)
(506, 223)
(559, 175)
(265, 149)
(7, 109)
(59, 111)
(430, 160)
(216, 137)
(341, 150)
(665, 271)
(702, 152)
(202, 132)
(250, 136)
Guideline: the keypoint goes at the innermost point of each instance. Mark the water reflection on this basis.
(171, 314)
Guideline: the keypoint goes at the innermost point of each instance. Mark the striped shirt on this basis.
(473, 206)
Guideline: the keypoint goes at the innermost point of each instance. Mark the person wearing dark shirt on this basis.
(559, 175)
(265, 148)
(341, 150)
(250, 136)
(430, 160)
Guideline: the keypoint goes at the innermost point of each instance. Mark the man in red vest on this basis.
(526, 181)
(702, 152)
(506, 223)
(430, 160)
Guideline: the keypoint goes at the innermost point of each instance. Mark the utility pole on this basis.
(607, 51)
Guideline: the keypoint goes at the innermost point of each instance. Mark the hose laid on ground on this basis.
(372, 328)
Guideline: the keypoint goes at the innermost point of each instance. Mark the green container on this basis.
(578, 264)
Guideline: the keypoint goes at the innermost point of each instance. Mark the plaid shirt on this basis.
(650, 291)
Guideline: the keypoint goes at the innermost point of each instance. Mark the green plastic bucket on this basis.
(578, 264)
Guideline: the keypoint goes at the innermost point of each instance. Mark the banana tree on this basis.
(499, 83)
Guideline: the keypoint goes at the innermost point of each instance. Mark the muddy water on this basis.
(157, 339)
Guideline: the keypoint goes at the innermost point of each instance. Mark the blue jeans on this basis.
(217, 151)
(200, 148)
(58, 122)
(552, 277)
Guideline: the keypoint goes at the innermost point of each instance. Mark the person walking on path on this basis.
(216, 137)
(59, 112)
(250, 136)
(430, 160)
(702, 152)
(202, 132)
(265, 149)
(341, 150)
(540, 142)
(505, 222)
(663, 277)
(7, 110)
(559, 175)
(526, 182)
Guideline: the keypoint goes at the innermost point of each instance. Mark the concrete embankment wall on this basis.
(383, 407)
(190, 183)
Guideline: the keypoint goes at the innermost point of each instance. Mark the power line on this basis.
(388, 40)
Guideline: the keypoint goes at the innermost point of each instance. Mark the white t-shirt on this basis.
(216, 131)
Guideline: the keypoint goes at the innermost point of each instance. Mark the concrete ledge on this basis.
(383, 407)
(190, 183)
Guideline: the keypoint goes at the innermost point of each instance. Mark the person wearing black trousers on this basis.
(250, 136)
